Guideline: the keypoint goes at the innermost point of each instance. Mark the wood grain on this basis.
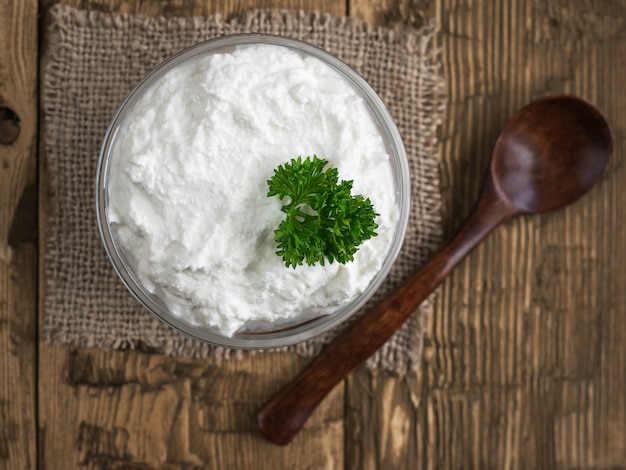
(525, 358)
(227, 8)
(525, 361)
(138, 410)
(18, 231)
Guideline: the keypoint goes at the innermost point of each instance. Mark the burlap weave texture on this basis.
(95, 58)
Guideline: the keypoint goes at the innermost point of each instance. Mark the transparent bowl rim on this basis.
(305, 330)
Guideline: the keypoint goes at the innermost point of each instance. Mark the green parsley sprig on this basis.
(324, 220)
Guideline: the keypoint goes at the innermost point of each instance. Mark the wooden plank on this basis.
(525, 365)
(393, 13)
(18, 232)
(227, 8)
(103, 409)
(106, 409)
(381, 421)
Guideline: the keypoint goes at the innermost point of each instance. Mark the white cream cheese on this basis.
(188, 184)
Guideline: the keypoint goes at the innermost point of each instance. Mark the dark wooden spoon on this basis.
(549, 154)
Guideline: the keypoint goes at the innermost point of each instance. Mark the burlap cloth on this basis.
(95, 58)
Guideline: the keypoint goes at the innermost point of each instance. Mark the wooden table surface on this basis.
(525, 357)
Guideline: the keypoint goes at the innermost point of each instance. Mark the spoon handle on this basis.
(282, 417)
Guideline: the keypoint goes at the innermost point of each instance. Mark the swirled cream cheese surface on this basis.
(188, 184)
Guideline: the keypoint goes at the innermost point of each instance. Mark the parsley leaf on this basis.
(324, 220)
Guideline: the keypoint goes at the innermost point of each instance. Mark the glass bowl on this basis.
(269, 335)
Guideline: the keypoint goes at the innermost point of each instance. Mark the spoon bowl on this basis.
(548, 155)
